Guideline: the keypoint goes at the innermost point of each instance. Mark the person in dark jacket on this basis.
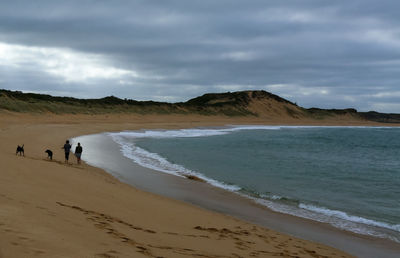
(78, 153)
(67, 148)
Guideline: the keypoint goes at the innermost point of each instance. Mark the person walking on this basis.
(78, 153)
(67, 147)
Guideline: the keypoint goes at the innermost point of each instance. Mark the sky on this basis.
(317, 53)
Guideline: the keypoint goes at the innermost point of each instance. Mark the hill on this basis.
(244, 103)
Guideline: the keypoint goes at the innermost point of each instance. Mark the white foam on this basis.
(156, 162)
(337, 219)
(195, 132)
(347, 217)
(272, 197)
(189, 132)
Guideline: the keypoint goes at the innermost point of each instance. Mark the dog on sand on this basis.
(20, 150)
(49, 154)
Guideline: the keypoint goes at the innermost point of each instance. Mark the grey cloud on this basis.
(186, 48)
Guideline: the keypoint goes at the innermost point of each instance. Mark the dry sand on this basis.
(50, 209)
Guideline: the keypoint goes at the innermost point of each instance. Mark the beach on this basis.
(52, 209)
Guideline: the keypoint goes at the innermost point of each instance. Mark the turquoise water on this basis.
(346, 176)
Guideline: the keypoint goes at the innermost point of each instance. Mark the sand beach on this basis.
(209, 129)
(52, 209)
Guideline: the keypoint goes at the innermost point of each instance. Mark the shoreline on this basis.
(357, 224)
(107, 154)
(51, 209)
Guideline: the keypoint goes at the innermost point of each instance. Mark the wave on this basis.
(156, 162)
(205, 132)
(347, 217)
(189, 132)
(274, 202)
(338, 219)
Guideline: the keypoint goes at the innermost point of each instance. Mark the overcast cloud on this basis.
(327, 54)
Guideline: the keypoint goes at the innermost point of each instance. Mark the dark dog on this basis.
(20, 150)
(50, 154)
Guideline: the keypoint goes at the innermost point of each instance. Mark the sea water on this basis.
(348, 177)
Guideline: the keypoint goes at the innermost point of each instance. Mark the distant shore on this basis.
(52, 209)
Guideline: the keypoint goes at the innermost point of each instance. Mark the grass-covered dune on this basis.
(244, 103)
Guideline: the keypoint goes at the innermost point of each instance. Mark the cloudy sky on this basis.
(318, 53)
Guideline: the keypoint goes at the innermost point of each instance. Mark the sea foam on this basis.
(154, 161)
(204, 132)
(347, 217)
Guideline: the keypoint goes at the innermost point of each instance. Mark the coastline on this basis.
(51, 209)
(105, 153)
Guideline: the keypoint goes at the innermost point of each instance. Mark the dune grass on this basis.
(228, 104)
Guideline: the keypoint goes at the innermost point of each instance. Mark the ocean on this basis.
(348, 177)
